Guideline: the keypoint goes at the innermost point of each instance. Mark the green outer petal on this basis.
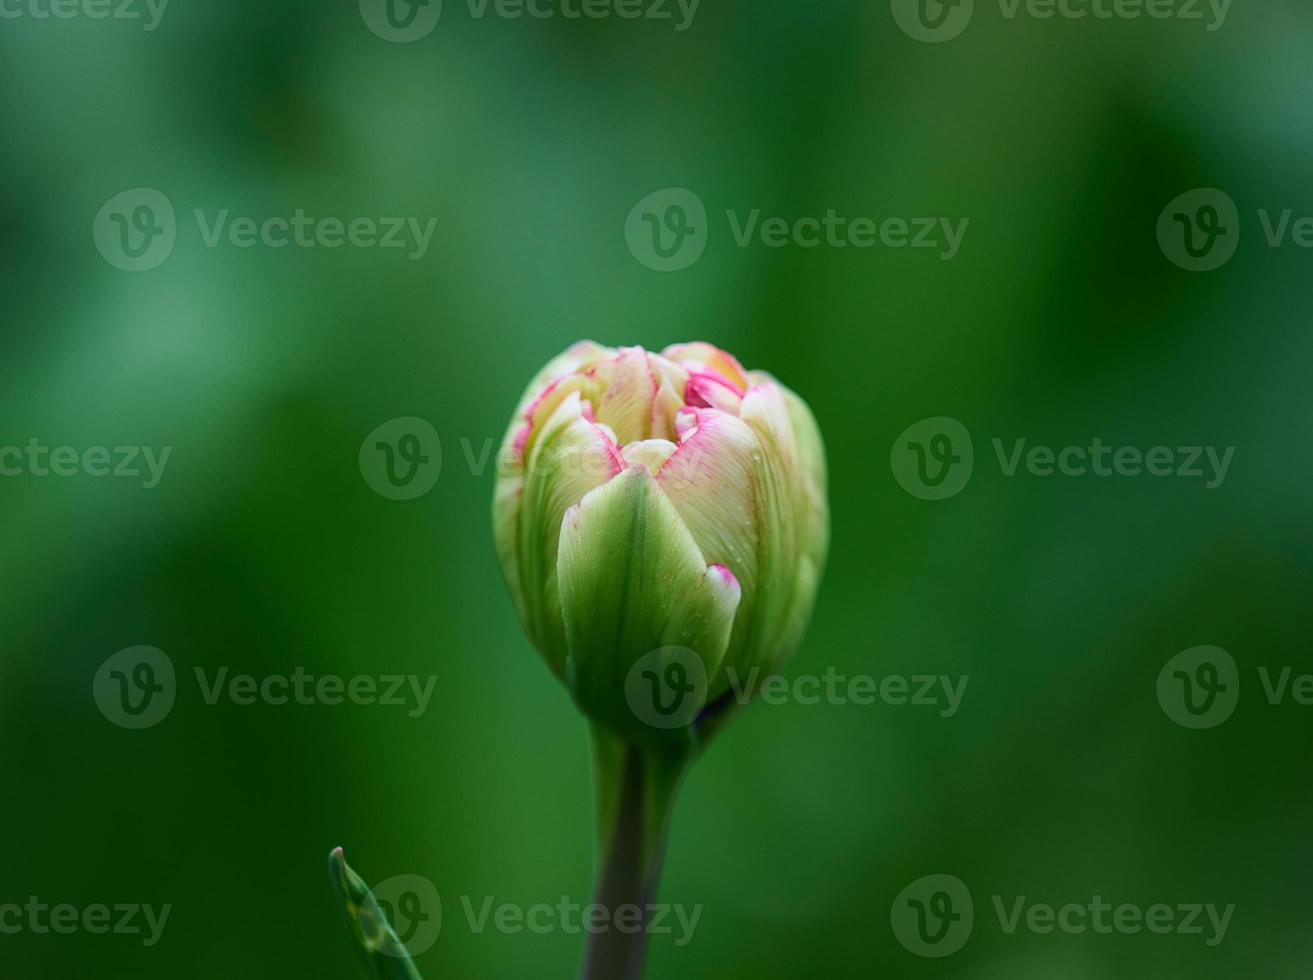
(632, 580)
(795, 525)
(505, 527)
(509, 487)
(715, 479)
(813, 512)
(569, 458)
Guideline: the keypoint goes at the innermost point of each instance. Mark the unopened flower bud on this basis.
(660, 506)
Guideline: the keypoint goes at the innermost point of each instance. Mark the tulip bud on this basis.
(649, 505)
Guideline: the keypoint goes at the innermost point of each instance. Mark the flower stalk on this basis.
(636, 790)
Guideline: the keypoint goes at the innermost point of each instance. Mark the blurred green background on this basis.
(529, 141)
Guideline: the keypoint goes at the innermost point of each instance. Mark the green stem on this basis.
(636, 789)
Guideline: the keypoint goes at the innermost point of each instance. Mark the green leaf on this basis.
(384, 955)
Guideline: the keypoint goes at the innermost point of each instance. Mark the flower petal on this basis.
(795, 530)
(632, 580)
(570, 457)
(652, 453)
(701, 356)
(706, 389)
(731, 486)
(712, 478)
(640, 396)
